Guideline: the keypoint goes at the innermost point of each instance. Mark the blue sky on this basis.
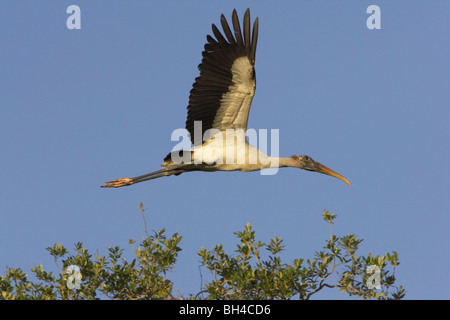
(80, 107)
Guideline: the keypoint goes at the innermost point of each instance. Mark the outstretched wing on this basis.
(221, 96)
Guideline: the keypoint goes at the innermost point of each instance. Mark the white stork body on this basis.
(231, 152)
(220, 102)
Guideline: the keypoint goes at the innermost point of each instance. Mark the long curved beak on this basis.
(325, 170)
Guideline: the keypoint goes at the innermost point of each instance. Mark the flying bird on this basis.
(219, 105)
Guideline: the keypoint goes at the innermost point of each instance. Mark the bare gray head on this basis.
(307, 163)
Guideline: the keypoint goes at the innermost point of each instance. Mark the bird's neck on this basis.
(266, 161)
(287, 162)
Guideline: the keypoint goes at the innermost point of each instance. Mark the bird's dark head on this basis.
(307, 163)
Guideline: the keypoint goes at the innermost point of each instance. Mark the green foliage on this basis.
(110, 276)
(248, 275)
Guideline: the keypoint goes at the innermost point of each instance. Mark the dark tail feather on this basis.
(179, 156)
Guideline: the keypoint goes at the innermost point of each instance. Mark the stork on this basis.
(219, 103)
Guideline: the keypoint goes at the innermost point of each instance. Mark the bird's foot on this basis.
(118, 183)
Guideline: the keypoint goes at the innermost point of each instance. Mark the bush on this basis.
(245, 276)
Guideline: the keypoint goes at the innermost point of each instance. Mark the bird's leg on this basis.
(121, 182)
